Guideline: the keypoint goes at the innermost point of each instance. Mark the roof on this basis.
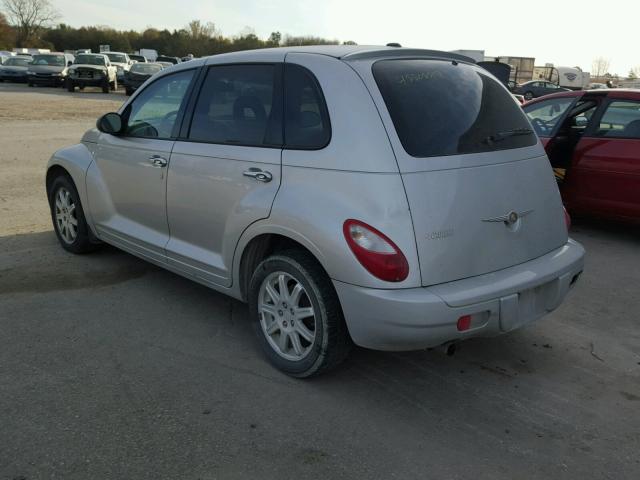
(629, 93)
(352, 52)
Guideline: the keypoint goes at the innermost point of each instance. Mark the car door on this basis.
(605, 173)
(128, 198)
(225, 169)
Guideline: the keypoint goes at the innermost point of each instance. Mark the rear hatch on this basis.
(481, 191)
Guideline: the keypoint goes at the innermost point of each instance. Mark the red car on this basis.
(592, 139)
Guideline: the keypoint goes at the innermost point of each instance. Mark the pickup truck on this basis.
(92, 69)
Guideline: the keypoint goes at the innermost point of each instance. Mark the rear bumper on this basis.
(416, 318)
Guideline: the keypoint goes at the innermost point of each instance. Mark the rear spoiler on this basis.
(406, 52)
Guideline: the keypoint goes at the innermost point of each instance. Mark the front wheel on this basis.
(528, 96)
(68, 217)
(70, 86)
(297, 315)
(114, 85)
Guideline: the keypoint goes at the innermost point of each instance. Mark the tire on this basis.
(330, 341)
(30, 84)
(114, 85)
(105, 86)
(62, 194)
(70, 87)
(528, 96)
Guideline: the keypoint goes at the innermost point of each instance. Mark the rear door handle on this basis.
(158, 161)
(260, 175)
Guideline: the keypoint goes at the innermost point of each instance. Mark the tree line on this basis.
(27, 24)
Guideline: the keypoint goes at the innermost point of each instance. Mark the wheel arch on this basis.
(261, 242)
(73, 162)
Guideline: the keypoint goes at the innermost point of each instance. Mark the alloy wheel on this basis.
(287, 316)
(65, 213)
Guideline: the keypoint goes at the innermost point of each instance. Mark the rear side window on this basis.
(238, 105)
(621, 119)
(448, 108)
(306, 117)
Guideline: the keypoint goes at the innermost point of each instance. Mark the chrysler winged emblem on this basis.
(510, 218)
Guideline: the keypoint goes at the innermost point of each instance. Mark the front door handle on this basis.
(158, 161)
(260, 175)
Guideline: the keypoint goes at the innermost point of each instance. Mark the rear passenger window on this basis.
(238, 105)
(621, 119)
(306, 117)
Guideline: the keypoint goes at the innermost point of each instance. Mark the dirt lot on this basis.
(113, 368)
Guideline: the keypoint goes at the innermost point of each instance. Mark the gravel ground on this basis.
(113, 368)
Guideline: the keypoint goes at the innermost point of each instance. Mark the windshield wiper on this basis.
(498, 137)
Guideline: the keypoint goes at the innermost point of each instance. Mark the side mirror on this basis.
(69, 63)
(110, 123)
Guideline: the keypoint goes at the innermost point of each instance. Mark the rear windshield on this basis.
(146, 68)
(447, 108)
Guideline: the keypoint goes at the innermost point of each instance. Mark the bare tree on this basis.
(28, 17)
(199, 30)
(6, 34)
(600, 67)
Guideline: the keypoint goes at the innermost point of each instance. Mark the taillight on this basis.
(567, 218)
(376, 252)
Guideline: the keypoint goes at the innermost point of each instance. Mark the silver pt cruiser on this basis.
(388, 197)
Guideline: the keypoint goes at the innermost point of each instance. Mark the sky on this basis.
(562, 32)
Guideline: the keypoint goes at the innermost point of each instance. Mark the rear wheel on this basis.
(70, 86)
(68, 217)
(528, 95)
(105, 86)
(297, 315)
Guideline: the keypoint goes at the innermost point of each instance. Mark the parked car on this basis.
(14, 69)
(427, 221)
(538, 88)
(596, 86)
(121, 61)
(137, 58)
(92, 70)
(164, 58)
(138, 74)
(592, 139)
(49, 69)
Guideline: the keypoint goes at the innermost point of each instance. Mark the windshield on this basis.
(117, 57)
(447, 108)
(138, 58)
(52, 60)
(90, 60)
(146, 68)
(545, 115)
(18, 62)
